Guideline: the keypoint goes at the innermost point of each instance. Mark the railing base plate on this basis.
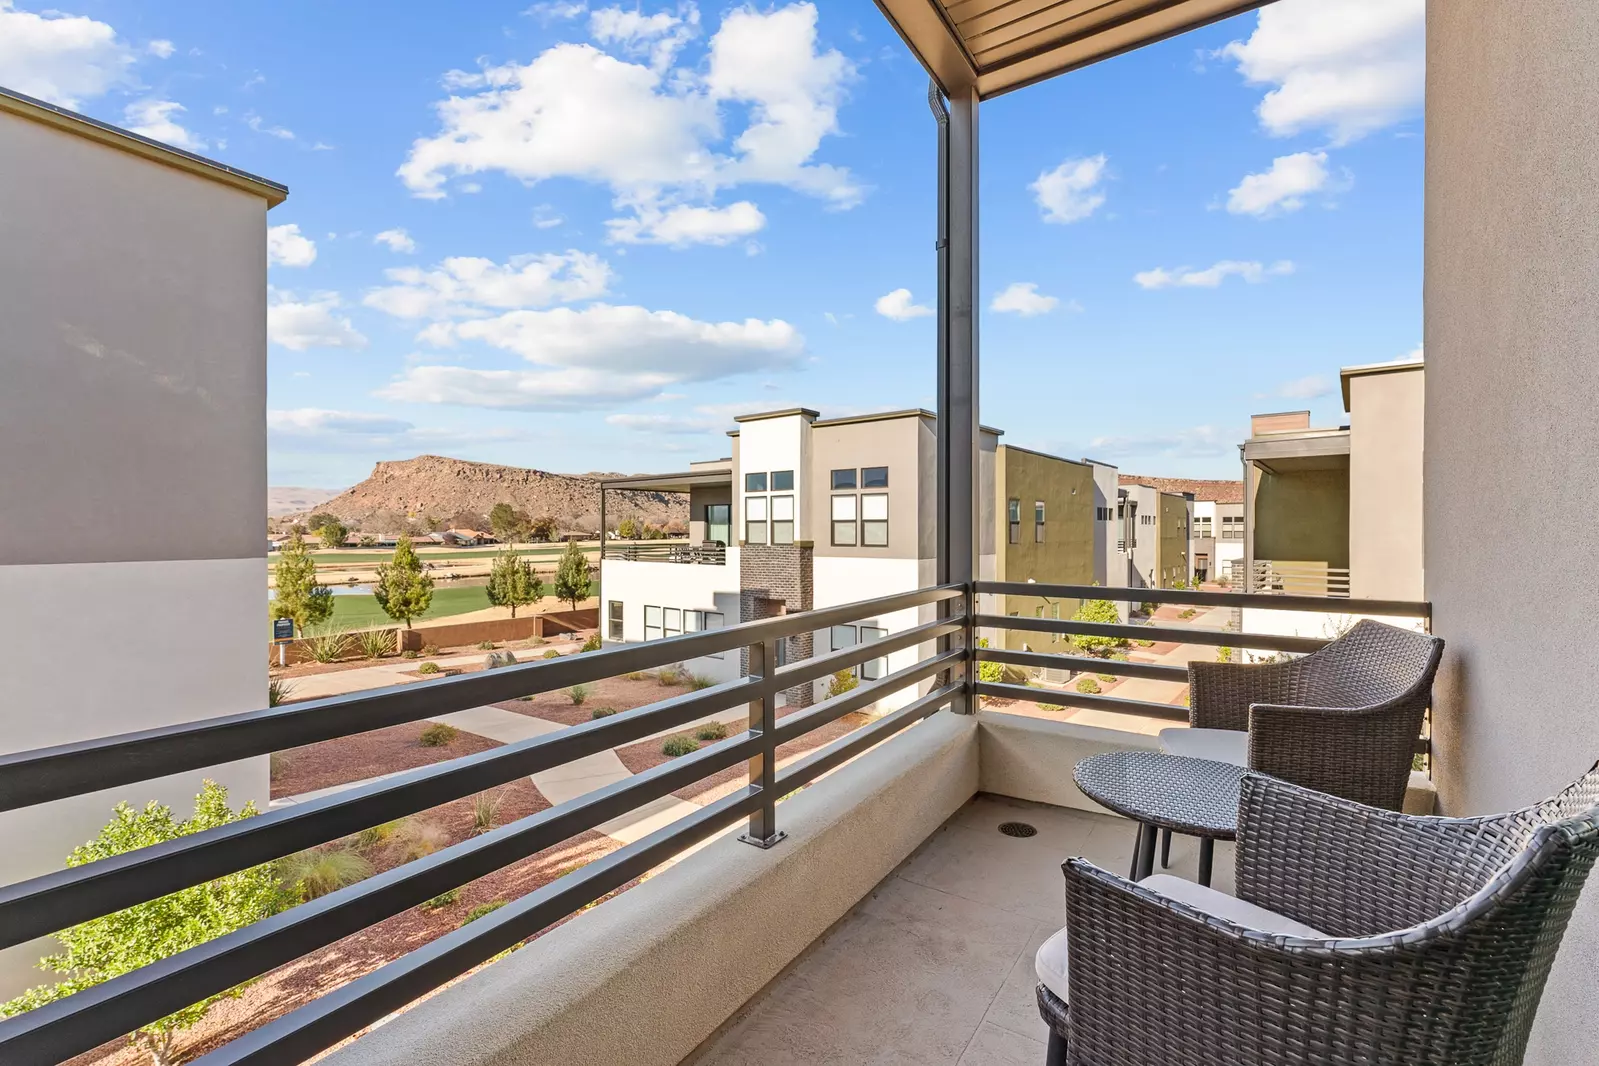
(764, 842)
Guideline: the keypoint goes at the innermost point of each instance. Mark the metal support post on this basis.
(763, 831)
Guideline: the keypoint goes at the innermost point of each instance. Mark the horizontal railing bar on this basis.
(804, 771)
(825, 665)
(45, 774)
(345, 1011)
(1173, 634)
(1084, 664)
(1206, 599)
(82, 1021)
(793, 726)
(66, 897)
(1083, 699)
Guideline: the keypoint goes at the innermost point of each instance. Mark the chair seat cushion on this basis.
(1217, 745)
(1050, 962)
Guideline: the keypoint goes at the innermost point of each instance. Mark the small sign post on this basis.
(282, 634)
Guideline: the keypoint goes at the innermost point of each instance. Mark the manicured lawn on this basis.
(363, 612)
(324, 555)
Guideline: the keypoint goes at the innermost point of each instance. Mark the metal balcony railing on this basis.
(42, 905)
(669, 552)
(1272, 577)
(1067, 664)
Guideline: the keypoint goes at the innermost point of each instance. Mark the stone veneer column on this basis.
(776, 579)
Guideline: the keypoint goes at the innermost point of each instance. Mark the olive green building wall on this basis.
(1066, 557)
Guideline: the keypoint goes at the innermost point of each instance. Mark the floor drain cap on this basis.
(1017, 829)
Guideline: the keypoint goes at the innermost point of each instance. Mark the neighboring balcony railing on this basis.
(668, 552)
(1057, 664)
(46, 904)
(1272, 578)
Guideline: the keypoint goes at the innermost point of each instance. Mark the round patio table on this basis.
(1197, 797)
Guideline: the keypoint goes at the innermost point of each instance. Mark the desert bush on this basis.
(429, 668)
(578, 693)
(442, 900)
(987, 672)
(375, 643)
(374, 835)
(1106, 677)
(552, 654)
(417, 838)
(328, 646)
(593, 643)
(1189, 613)
(482, 910)
(669, 675)
(409, 653)
(485, 807)
(430, 649)
(711, 731)
(278, 691)
(699, 681)
(1088, 685)
(679, 745)
(485, 645)
(1144, 643)
(438, 735)
(314, 873)
(842, 682)
(635, 675)
(602, 712)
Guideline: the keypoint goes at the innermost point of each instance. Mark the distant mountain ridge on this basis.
(441, 487)
(293, 499)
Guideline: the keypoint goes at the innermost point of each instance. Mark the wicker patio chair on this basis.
(1359, 936)
(1343, 720)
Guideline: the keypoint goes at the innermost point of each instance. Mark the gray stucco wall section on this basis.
(133, 349)
(1512, 342)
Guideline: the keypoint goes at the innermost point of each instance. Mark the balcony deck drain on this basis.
(1017, 829)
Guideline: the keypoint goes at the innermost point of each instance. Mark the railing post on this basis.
(763, 831)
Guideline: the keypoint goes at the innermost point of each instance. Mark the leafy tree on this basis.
(676, 528)
(989, 672)
(652, 532)
(118, 943)
(332, 534)
(572, 579)
(1098, 611)
(403, 589)
(466, 520)
(369, 540)
(513, 582)
(299, 595)
(507, 522)
(542, 528)
(318, 520)
(627, 529)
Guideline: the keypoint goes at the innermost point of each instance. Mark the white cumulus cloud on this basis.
(685, 224)
(1349, 67)
(1281, 189)
(397, 240)
(1210, 277)
(286, 246)
(1313, 387)
(64, 59)
(463, 286)
(659, 37)
(657, 136)
(1023, 298)
(898, 306)
(156, 120)
(301, 325)
(1071, 192)
(308, 421)
(161, 48)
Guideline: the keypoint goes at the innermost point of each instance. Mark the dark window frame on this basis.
(844, 484)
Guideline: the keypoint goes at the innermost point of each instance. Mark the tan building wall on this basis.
(1172, 562)
(1385, 481)
(1511, 321)
(1300, 515)
(1066, 554)
(894, 443)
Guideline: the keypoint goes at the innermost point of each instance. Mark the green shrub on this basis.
(602, 712)
(987, 672)
(1147, 607)
(278, 691)
(327, 647)
(438, 735)
(485, 645)
(711, 731)
(1098, 611)
(669, 676)
(442, 900)
(430, 668)
(314, 873)
(578, 693)
(679, 745)
(1107, 677)
(699, 681)
(408, 653)
(375, 643)
(552, 654)
(1224, 655)
(482, 910)
(1087, 684)
(372, 836)
(430, 649)
(1144, 643)
(593, 643)
(1189, 613)
(842, 682)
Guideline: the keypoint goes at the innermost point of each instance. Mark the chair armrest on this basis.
(1154, 982)
(1363, 754)
(1219, 694)
(1353, 870)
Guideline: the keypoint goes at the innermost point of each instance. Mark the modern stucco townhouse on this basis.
(1218, 522)
(811, 512)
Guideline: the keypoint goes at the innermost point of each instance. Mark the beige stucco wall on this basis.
(1385, 484)
(1512, 342)
(891, 442)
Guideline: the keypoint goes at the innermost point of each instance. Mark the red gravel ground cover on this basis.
(617, 693)
(322, 971)
(364, 755)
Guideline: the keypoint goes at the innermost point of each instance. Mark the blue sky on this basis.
(582, 237)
